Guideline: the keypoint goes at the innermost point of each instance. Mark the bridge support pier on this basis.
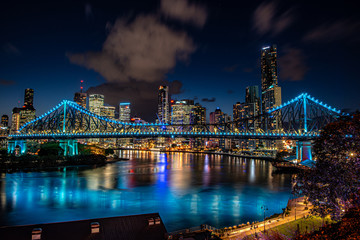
(13, 145)
(303, 150)
(70, 147)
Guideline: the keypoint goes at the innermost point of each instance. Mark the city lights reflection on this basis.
(186, 189)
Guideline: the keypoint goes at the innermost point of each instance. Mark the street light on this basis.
(295, 208)
(265, 209)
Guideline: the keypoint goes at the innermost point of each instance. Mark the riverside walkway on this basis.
(296, 213)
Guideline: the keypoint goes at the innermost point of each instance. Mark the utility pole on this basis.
(263, 207)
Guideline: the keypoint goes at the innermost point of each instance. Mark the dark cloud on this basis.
(135, 58)
(267, 20)
(4, 82)
(88, 10)
(231, 68)
(248, 70)
(184, 11)
(144, 49)
(9, 48)
(292, 66)
(208, 99)
(141, 95)
(333, 31)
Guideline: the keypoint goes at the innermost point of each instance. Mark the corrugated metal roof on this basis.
(134, 227)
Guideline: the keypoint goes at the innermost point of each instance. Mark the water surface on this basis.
(186, 189)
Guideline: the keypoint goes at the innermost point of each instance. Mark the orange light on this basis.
(82, 81)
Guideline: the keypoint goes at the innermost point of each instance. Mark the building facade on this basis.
(80, 98)
(4, 120)
(199, 114)
(124, 112)
(96, 101)
(29, 98)
(26, 113)
(182, 112)
(270, 91)
(163, 105)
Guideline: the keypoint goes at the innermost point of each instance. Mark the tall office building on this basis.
(237, 112)
(96, 101)
(252, 95)
(4, 121)
(163, 104)
(269, 76)
(124, 112)
(15, 120)
(29, 98)
(81, 97)
(182, 112)
(107, 111)
(199, 114)
(26, 113)
(217, 117)
(270, 91)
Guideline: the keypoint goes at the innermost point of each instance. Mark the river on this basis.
(186, 189)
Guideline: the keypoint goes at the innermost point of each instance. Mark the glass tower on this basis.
(163, 104)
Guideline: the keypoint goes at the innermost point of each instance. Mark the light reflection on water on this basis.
(186, 189)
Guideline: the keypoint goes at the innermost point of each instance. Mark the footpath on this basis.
(297, 211)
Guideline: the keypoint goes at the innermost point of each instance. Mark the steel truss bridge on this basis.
(301, 118)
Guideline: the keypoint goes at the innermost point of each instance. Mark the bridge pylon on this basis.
(303, 150)
(13, 144)
(70, 147)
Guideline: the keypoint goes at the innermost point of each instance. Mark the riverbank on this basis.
(31, 163)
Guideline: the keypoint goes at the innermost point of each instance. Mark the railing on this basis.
(202, 227)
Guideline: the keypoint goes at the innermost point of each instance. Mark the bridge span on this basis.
(300, 119)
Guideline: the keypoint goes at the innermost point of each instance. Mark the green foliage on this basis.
(32, 146)
(332, 186)
(109, 151)
(50, 149)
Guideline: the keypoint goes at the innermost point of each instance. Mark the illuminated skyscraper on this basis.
(96, 101)
(269, 75)
(163, 104)
(124, 112)
(182, 112)
(15, 120)
(270, 91)
(25, 114)
(252, 95)
(107, 111)
(4, 121)
(29, 98)
(80, 97)
(199, 114)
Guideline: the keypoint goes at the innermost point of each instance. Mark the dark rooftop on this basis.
(134, 227)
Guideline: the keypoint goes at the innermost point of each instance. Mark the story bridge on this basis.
(301, 119)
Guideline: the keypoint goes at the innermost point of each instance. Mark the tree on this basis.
(32, 146)
(50, 149)
(332, 186)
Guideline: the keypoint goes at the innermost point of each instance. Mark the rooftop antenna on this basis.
(81, 85)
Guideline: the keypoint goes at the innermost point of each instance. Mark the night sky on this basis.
(204, 50)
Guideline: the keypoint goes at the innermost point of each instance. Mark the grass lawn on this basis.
(288, 230)
(309, 224)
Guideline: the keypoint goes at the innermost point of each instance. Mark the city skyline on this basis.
(206, 74)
